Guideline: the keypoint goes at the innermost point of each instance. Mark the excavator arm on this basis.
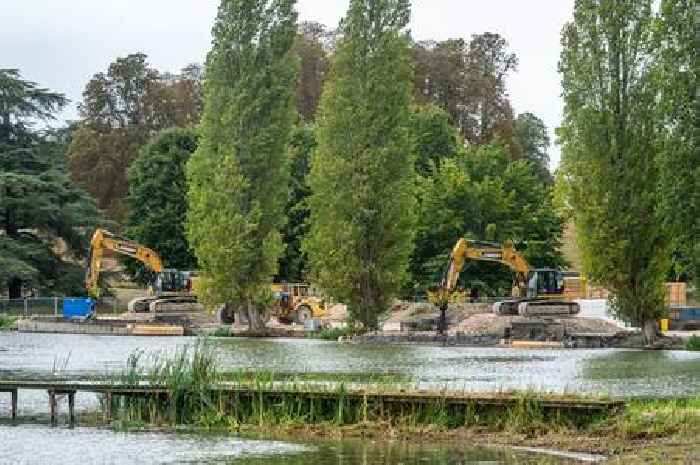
(104, 240)
(482, 251)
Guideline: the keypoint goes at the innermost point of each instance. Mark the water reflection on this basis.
(37, 445)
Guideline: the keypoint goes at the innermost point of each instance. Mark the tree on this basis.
(531, 135)
(435, 138)
(120, 111)
(362, 176)
(158, 198)
(481, 193)
(238, 177)
(293, 260)
(679, 158)
(43, 216)
(609, 150)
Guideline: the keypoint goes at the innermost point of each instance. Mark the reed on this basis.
(265, 399)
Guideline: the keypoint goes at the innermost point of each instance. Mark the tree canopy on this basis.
(158, 197)
(120, 111)
(44, 217)
(482, 194)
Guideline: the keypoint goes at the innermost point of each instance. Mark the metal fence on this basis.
(32, 306)
(51, 306)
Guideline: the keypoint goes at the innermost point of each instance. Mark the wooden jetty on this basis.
(274, 390)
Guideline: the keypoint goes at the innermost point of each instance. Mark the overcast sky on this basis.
(61, 43)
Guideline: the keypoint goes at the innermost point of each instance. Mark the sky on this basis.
(60, 44)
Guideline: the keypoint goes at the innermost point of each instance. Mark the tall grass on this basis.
(189, 376)
(194, 382)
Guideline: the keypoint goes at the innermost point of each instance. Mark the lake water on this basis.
(600, 371)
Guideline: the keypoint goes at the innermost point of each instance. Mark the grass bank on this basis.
(527, 418)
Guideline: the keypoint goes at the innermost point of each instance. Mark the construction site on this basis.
(557, 309)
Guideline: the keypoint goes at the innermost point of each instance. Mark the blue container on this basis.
(78, 307)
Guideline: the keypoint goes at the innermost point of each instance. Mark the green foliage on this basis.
(435, 138)
(158, 198)
(679, 159)
(693, 343)
(293, 260)
(362, 175)
(121, 110)
(482, 194)
(609, 151)
(44, 216)
(238, 177)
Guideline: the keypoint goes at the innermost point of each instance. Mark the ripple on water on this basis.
(38, 445)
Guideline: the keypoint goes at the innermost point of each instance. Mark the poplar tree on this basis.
(238, 176)
(609, 151)
(362, 175)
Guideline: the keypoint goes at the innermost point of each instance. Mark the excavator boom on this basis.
(104, 240)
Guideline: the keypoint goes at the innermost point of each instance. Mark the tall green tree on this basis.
(239, 175)
(43, 215)
(158, 197)
(609, 151)
(679, 158)
(362, 175)
(121, 110)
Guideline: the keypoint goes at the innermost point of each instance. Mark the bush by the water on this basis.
(693, 343)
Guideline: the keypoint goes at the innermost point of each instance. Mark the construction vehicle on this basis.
(172, 291)
(293, 302)
(296, 303)
(536, 291)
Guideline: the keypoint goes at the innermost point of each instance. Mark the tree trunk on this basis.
(650, 331)
(255, 323)
(14, 288)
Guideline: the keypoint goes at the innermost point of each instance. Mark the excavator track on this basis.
(536, 307)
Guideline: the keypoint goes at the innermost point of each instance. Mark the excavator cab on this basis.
(544, 282)
(170, 280)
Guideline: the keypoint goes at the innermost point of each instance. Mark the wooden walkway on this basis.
(310, 390)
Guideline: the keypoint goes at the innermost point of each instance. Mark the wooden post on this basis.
(71, 408)
(13, 393)
(52, 406)
(108, 406)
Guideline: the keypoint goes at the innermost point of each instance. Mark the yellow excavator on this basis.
(536, 291)
(172, 290)
(175, 291)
